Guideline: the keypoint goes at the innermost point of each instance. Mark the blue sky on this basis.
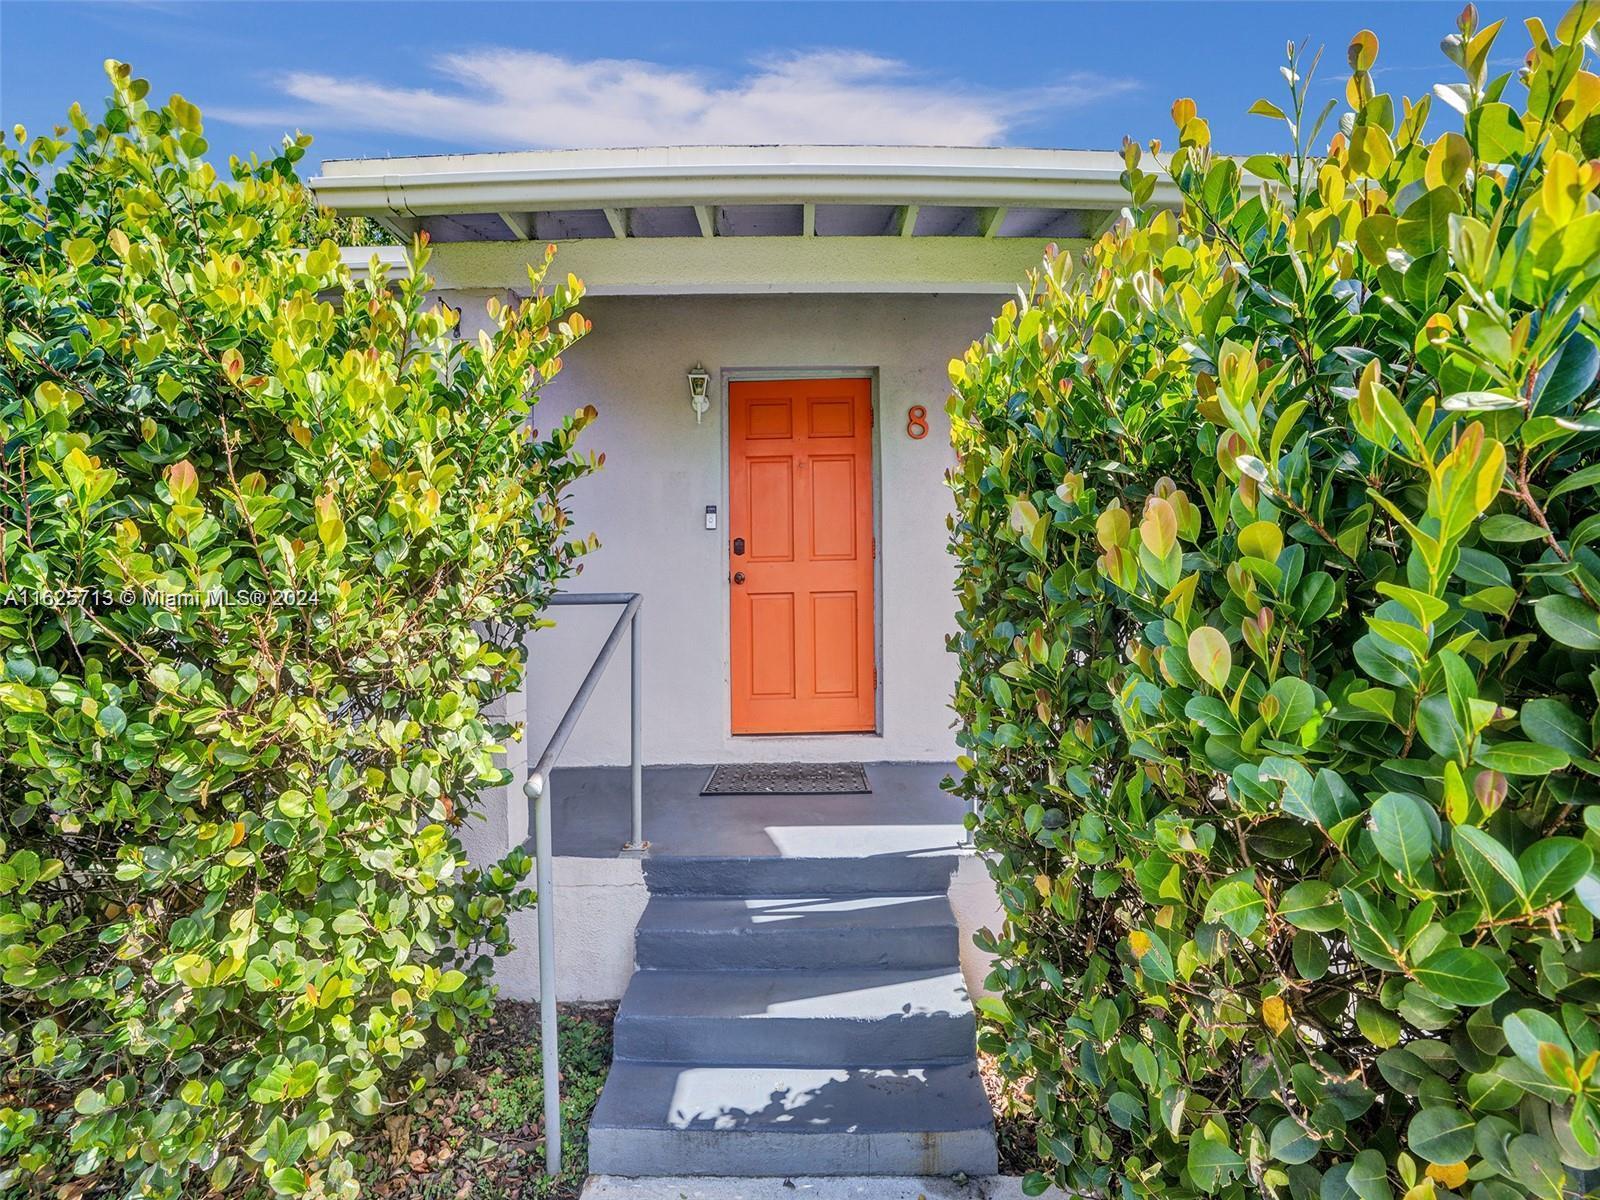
(375, 77)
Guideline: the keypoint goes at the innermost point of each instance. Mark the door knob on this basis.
(738, 576)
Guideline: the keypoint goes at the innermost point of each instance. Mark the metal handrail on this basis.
(537, 790)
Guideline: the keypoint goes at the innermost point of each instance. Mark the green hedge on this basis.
(1280, 651)
(271, 537)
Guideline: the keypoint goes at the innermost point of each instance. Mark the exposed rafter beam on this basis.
(989, 221)
(617, 218)
(1098, 224)
(808, 220)
(906, 219)
(404, 228)
(707, 217)
(520, 224)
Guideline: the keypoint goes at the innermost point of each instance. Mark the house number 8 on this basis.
(916, 422)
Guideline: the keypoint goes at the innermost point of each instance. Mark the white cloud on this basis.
(523, 99)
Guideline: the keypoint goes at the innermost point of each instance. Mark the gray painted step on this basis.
(658, 1119)
(865, 1017)
(796, 932)
(810, 1187)
(772, 876)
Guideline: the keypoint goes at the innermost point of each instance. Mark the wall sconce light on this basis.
(699, 391)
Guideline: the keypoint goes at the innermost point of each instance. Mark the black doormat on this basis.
(777, 779)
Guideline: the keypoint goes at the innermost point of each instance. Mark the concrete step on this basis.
(659, 1119)
(772, 876)
(865, 1017)
(809, 1187)
(757, 933)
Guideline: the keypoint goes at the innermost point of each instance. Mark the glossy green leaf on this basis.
(1292, 1142)
(1369, 1176)
(1402, 830)
(1552, 867)
(1441, 729)
(1238, 906)
(1490, 870)
(1441, 1134)
(1536, 1162)
(1528, 1032)
(1569, 621)
(1552, 723)
(1377, 1024)
(1521, 758)
(1310, 955)
(1212, 1161)
(1569, 375)
(1508, 527)
(1465, 976)
(1296, 702)
(1311, 905)
(1495, 132)
(1404, 1071)
(1588, 477)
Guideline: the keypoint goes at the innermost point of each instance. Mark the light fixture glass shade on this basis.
(699, 391)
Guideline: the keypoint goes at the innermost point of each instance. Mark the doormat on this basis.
(778, 779)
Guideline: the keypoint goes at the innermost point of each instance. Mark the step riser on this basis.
(799, 1042)
(773, 948)
(743, 1153)
(791, 876)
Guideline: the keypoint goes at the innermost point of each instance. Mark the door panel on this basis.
(831, 418)
(770, 503)
(800, 497)
(772, 626)
(833, 617)
(833, 506)
(770, 419)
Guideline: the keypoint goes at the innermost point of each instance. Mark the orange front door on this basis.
(800, 555)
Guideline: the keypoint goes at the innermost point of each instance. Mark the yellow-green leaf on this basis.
(1261, 539)
(1210, 656)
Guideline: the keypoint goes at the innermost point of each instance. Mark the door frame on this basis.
(731, 375)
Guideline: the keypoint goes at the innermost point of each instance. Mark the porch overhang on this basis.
(741, 219)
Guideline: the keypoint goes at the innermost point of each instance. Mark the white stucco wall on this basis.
(598, 902)
(662, 470)
(977, 906)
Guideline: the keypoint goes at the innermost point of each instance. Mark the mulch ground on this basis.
(479, 1133)
(1014, 1119)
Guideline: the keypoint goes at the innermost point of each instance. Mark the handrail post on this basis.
(636, 759)
(538, 790)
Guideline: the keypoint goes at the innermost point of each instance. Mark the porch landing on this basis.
(907, 813)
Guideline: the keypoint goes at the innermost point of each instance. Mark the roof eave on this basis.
(1078, 184)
